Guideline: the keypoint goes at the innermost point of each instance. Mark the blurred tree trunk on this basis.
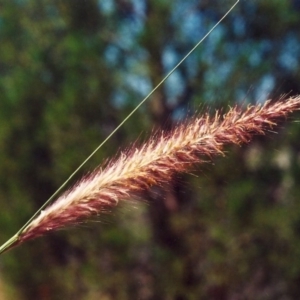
(169, 199)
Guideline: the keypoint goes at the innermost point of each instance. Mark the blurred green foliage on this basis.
(70, 71)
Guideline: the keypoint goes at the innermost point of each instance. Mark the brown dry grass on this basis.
(136, 170)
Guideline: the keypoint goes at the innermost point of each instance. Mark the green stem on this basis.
(8, 244)
(12, 241)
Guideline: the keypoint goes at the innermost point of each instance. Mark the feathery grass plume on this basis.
(156, 161)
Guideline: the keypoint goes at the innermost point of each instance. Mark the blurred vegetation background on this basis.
(70, 71)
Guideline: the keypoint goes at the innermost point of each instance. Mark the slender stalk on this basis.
(9, 243)
(14, 240)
